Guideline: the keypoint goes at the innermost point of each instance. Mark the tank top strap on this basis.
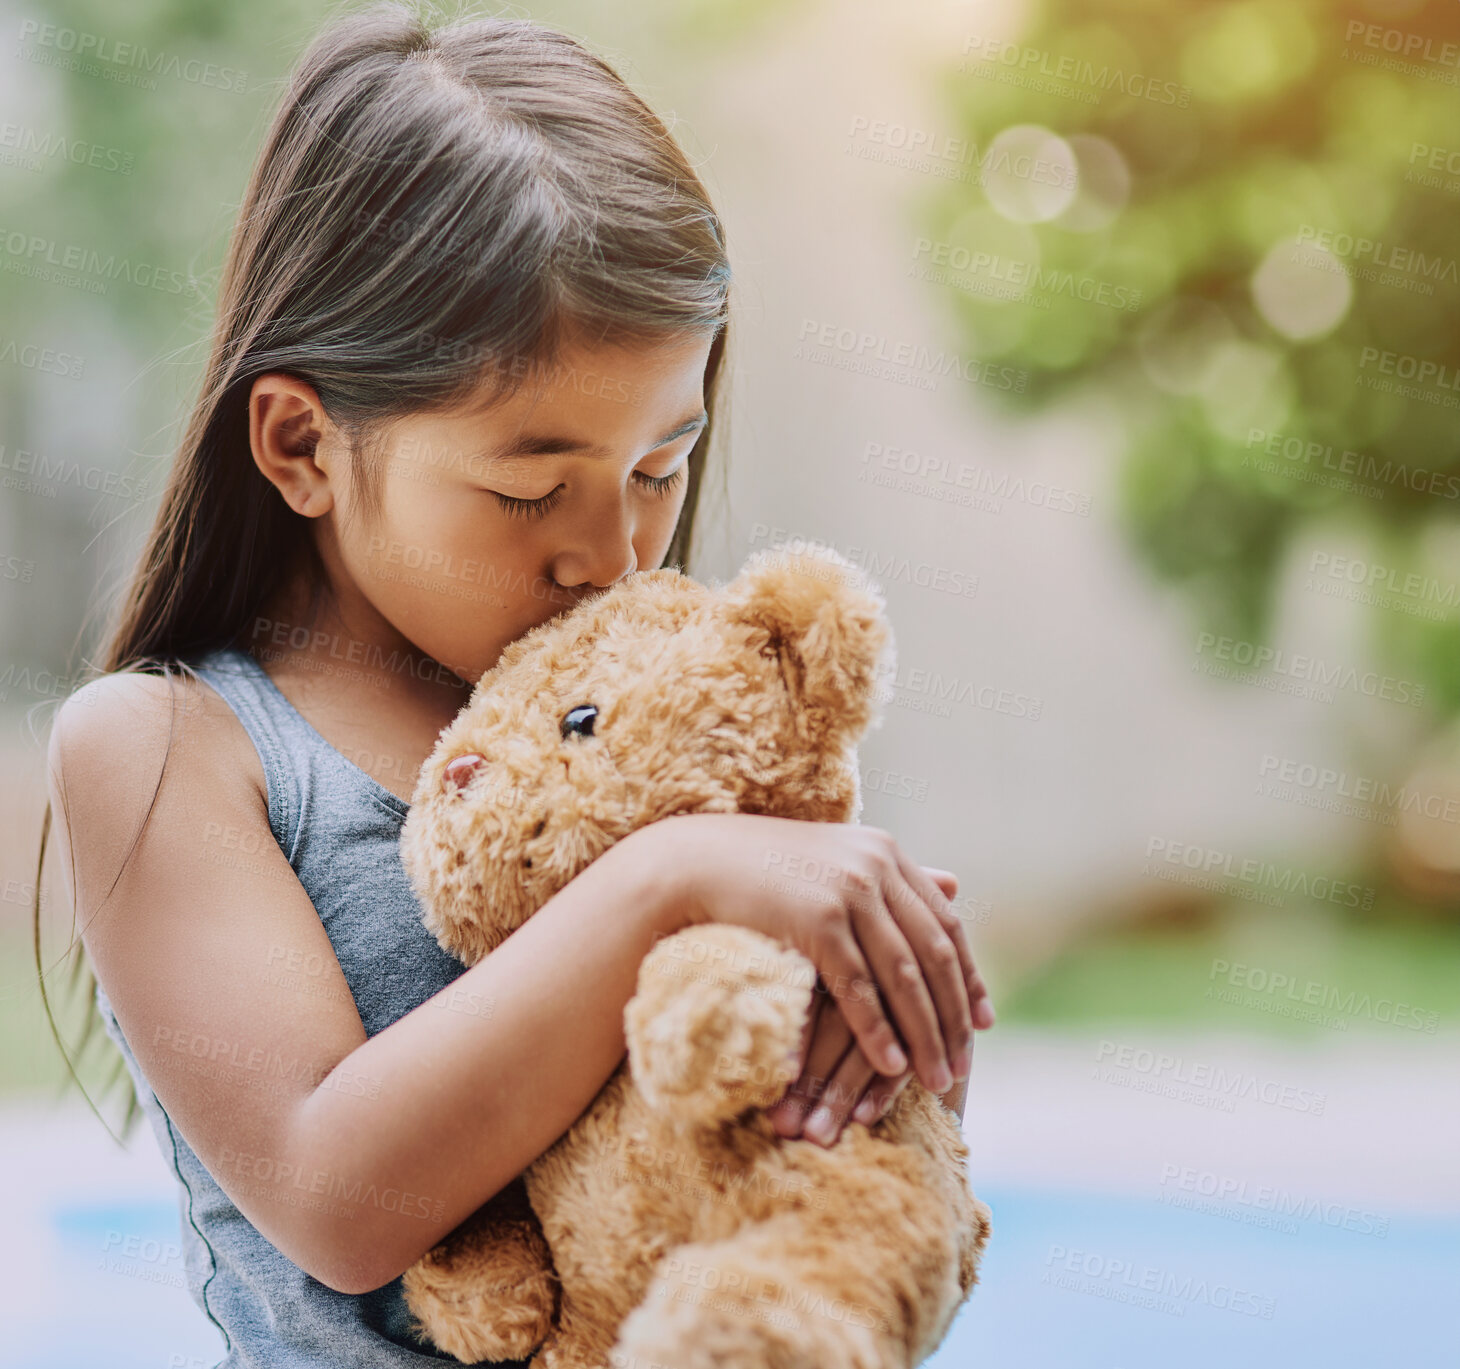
(276, 728)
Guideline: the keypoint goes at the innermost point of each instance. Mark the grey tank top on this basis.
(340, 829)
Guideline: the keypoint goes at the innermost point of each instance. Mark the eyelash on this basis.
(540, 508)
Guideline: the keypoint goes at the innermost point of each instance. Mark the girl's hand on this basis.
(837, 1083)
(881, 933)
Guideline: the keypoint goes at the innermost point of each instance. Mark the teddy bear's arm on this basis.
(488, 1290)
(717, 1012)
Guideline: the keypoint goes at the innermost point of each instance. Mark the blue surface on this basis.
(1338, 1298)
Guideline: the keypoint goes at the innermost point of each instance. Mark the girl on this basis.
(470, 328)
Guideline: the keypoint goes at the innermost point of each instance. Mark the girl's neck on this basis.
(344, 650)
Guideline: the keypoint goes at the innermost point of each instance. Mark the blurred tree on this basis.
(1238, 217)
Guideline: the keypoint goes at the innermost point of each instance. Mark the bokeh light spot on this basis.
(1030, 174)
(1301, 289)
(1103, 185)
(1246, 386)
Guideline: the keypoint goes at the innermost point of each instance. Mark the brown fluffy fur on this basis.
(680, 1231)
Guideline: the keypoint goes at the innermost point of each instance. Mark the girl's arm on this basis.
(353, 1156)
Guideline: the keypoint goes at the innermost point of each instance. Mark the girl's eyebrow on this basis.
(546, 445)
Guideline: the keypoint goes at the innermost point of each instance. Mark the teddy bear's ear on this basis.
(826, 622)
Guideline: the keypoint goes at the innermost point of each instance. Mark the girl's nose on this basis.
(586, 572)
(600, 551)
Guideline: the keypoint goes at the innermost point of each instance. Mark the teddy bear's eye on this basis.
(580, 720)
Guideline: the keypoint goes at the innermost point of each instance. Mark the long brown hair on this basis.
(434, 208)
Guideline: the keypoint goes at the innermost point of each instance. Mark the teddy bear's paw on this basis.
(717, 1013)
(751, 1322)
(484, 1325)
(568, 1348)
(488, 1292)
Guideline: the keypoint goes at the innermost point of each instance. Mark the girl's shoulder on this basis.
(117, 738)
(130, 710)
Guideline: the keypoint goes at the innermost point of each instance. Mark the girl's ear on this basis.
(286, 425)
(826, 622)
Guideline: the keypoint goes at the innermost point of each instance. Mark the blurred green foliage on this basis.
(181, 90)
(1251, 131)
(1315, 973)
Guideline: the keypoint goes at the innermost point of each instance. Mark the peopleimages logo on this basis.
(1077, 73)
(1277, 987)
(1312, 457)
(1270, 883)
(1322, 786)
(1267, 1205)
(950, 158)
(906, 362)
(33, 357)
(1311, 675)
(35, 473)
(1430, 380)
(94, 54)
(939, 478)
(1390, 587)
(70, 263)
(1146, 1285)
(1020, 276)
(34, 146)
(1152, 1071)
(1417, 47)
(1380, 254)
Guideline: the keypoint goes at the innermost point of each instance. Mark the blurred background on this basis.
(1119, 341)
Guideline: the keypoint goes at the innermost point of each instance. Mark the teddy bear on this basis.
(671, 1226)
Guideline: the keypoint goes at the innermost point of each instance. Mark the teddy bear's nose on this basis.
(460, 771)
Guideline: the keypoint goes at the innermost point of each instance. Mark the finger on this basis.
(938, 900)
(842, 1091)
(877, 1102)
(900, 977)
(979, 1002)
(943, 972)
(785, 1109)
(850, 983)
(946, 880)
(830, 1041)
(808, 1027)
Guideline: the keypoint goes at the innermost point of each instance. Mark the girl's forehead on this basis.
(642, 358)
(609, 384)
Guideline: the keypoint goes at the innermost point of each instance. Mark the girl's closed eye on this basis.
(541, 507)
